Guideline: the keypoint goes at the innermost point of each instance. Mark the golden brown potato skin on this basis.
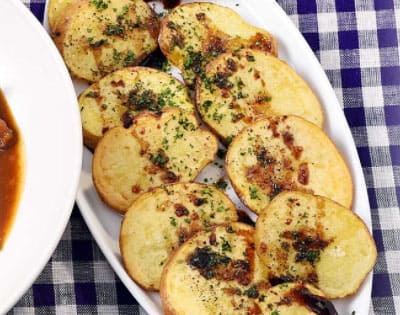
(285, 153)
(302, 237)
(159, 221)
(193, 34)
(155, 150)
(120, 96)
(243, 86)
(98, 37)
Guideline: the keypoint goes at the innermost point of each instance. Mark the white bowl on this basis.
(40, 94)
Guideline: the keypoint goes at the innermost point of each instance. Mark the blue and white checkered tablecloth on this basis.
(357, 43)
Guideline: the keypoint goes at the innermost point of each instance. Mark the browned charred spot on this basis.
(312, 277)
(151, 169)
(273, 125)
(256, 74)
(288, 139)
(255, 310)
(180, 210)
(195, 216)
(177, 39)
(213, 238)
(231, 65)
(237, 117)
(215, 46)
(263, 247)
(170, 177)
(288, 221)
(200, 16)
(118, 83)
(260, 42)
(232, 291)
(136, 189)
(127, 119)
(297, 150)
(104, 130)
(315, 303)
(303, 174)
(183, 235)
(225, 93)
(199, 201)
(287, 163)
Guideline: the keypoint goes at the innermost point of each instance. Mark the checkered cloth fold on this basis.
(357, 43)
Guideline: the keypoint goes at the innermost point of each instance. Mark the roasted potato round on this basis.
(311, 238)
(239, 87)
(281, 153)
(97, 37)
(157, 149)
(214, 272)
(118, 97)
(159, 221)
(193, 34)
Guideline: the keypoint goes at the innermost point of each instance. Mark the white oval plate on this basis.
(40, 94)
(104, 223)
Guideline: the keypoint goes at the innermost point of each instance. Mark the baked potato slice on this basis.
(97, 37)
(195, 33)
(311, 238)
(296, 299)
(55, 10)
(157, 149)
(239, 87)
(284, 153)
(215, 272)
(118, 97)
(159, 221)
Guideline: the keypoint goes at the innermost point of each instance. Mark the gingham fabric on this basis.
(357, 45)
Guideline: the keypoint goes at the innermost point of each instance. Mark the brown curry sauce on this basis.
(10, 172)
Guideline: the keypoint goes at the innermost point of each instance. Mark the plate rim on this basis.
(91, 220)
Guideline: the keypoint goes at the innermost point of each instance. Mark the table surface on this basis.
(357, 43)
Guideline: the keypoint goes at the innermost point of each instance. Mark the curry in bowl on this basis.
(11, 168)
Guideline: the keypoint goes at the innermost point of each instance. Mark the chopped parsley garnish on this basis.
(253, 193)
(114, 29)
(172, 221)
(160, 159)
(228, 140)
(129, 59)
(206, 105)
(226, 247)
(98, 43)
(251, 292)
(250, 58)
